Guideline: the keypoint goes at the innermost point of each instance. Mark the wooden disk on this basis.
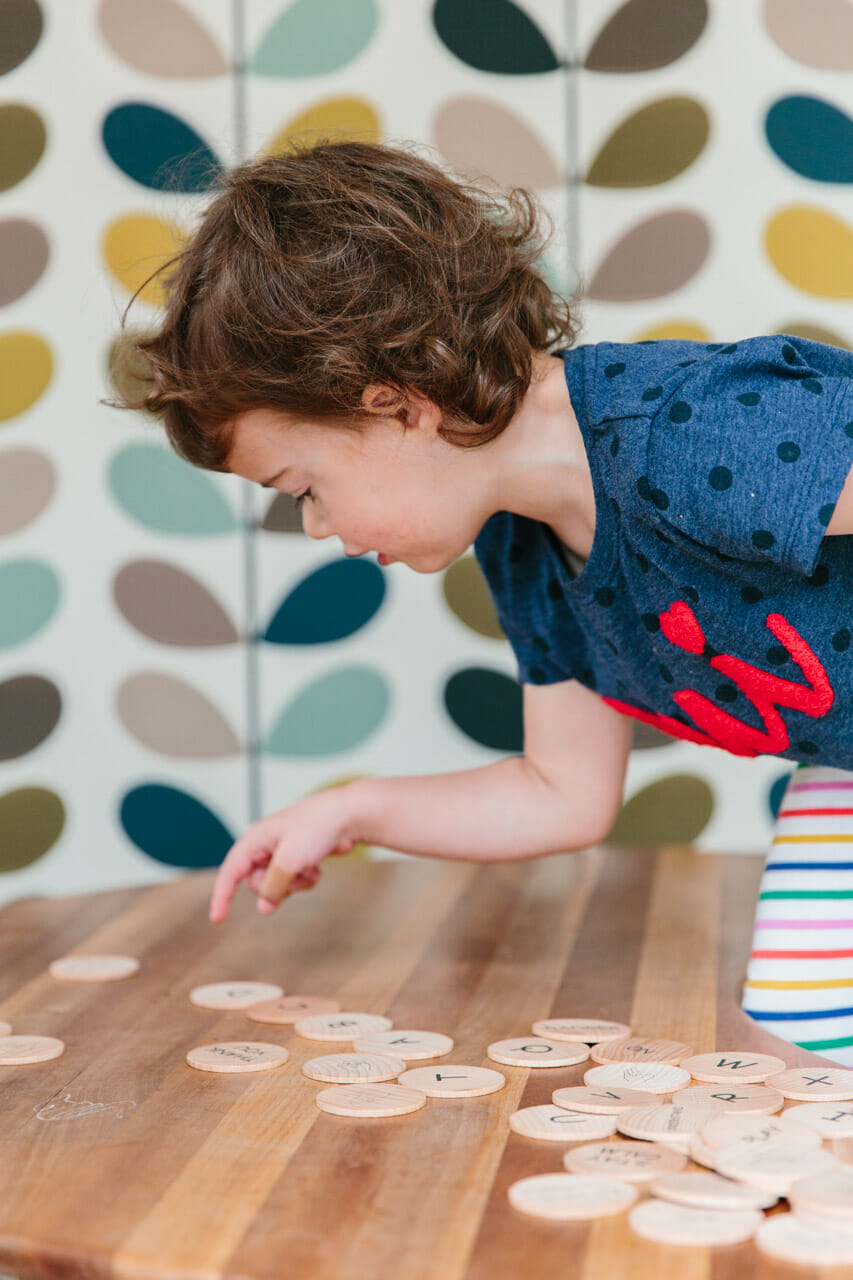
(556, 1124)
(5, 1028)
(725, 1065)
(276, 883)
(233, 995)
(843, 1149)
(581, 1030)
(648, 1077)
(346, 1068)
(671, 1123)
(637, 1049)
(237, 1055)
(783, 1236)
(830, 1120)
(814, 1084)
(722, 1130)
(682, 1224)
(341, 1026)
(606, 1102)
(289, 1009)
(755, 1099)
(19, 1050)
(701, 1153)
(775, 1166)
(369, 1100)
(706, 1190)
(827, 1194)
(626, 1161)
(93, 968)
(820, 1221)
(408, 1045)
(566, 1196)
(453, 1081)
(534, 1052)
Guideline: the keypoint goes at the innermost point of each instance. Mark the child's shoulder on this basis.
(636, 379)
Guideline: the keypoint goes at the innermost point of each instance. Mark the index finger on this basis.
(240, 860)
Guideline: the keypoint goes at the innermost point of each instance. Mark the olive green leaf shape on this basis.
(467, 596)
(31, 821)
(673, 810)
(653, 145)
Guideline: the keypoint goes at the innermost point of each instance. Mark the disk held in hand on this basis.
(276, 883)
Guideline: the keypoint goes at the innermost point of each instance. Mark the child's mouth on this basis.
(383, 559)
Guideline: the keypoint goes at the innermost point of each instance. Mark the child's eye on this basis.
(303, 496)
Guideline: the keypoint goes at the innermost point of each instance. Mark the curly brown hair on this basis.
(317, 272)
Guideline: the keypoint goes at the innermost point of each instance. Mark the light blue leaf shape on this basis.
(312, 37)
(29, 595)
(162, 492)
(334, 713)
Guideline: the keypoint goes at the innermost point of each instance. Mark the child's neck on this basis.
(545, 472)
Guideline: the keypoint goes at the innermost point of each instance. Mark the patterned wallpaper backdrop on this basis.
(175, 656)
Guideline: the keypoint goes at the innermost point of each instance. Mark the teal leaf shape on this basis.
(486, 706)
(493, 35)
(29, 595)
(166, 494)
(313, 37)
(812, 137)
(158, 150)
(334, 713)
(173, 827)
(329, 604)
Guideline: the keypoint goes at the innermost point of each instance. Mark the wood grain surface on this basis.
(118, 1159)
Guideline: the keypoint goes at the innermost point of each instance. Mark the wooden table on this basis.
(118, 1159)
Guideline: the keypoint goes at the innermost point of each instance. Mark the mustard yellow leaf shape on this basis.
(812, 249)
(26, 367)
(684, 329)
(136, 246)
(339, 119)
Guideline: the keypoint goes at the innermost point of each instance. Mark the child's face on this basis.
(393, 488)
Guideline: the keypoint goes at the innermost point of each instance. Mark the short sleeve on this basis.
(534, 614)
(748, 455)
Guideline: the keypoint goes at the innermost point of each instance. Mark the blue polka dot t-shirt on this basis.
(712, 605)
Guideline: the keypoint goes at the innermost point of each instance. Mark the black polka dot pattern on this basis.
(613, 370)
(788, 451)
(825, 514)
(720, 478)
(750, 399)
(763, 539)
(841, 640)
(680, 412)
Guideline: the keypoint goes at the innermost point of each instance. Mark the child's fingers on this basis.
(241, 860)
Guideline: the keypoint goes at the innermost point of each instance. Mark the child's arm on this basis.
(563, 794)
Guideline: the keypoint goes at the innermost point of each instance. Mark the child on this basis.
(664, 526)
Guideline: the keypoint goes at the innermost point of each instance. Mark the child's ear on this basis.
(410, 408)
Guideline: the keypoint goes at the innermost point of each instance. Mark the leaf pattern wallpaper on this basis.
(176, 658)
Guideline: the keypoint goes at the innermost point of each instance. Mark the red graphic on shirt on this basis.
(766, 692)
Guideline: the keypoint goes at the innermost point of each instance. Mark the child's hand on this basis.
(296, 838)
